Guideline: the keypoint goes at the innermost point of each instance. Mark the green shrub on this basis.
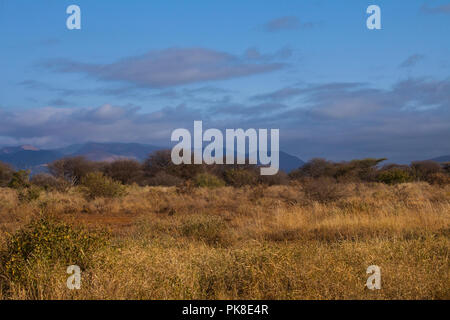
(240, 177)
(46, 240)
(394, 176)
(49, 182)
(208, 180)
(20, 179)
(95, 185)
(29, 194)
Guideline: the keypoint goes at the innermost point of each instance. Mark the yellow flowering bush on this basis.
(96, 184)
(207, 180)
(47, 240)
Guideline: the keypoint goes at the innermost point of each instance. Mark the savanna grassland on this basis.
(223, 242)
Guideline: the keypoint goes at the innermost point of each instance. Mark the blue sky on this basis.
(139, 69)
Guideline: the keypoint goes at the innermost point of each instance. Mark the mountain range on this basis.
(442, 159)
(36, 160)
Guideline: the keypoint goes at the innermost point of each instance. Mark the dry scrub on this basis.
(279, 242)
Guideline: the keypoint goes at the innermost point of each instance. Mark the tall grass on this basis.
(278, 242)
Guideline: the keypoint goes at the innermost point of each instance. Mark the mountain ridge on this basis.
(445, 158)
(31, 158)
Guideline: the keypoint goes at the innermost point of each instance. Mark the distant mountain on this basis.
(36, 160)
(27, 147)
(289, 162)
(27, 157)
(110, 151)
(442, 159)
(31, 158)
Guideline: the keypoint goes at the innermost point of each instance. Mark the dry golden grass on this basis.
(248, 243)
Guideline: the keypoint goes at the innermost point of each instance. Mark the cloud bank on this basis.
(409, 121)
(412, 60)
(286, 23)
(444, 9)
(169, 67)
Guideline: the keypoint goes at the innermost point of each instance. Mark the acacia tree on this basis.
(126, 171)
(161, 161)
(72, 169)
